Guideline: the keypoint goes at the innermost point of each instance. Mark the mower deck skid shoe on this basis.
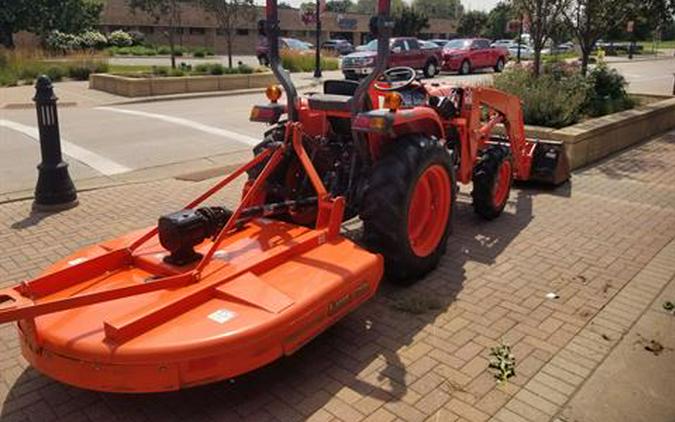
(271, 287)
(550, 164)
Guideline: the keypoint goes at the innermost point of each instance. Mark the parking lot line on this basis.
(99, 163)
(248, 140)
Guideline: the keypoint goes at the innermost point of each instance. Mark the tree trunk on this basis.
(172, 46)
(229, 48)
(7, 37)
(585, 55)
(537, 60)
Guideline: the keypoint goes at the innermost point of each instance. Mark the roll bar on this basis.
(272, 32)
(381, 25)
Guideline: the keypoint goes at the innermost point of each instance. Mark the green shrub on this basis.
(137, 37)
(608, 92)
(62, 42)
(120, 39)
(202, 69)
(93, 40)
(160, 70)
(199, 54)
(176, 72)
(553, 100)
(163, 50)
(55, 73)
(123, 51)
(297, 62)
(242, 68)
(217, 69)
(81, 70)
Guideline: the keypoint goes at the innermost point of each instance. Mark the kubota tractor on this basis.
(211, 293)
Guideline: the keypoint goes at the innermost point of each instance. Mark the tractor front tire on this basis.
(408, 205)
(492, 178)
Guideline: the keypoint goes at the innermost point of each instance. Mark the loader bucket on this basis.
(550, 164)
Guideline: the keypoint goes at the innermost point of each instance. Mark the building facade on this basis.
(198, 29)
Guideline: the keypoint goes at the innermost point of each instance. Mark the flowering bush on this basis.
(561, 95)
(93, 40)
(120, 39)
(63, 42)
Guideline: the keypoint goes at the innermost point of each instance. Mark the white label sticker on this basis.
(76, 261)
(221, 316)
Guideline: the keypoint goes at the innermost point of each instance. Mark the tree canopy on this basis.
(43, 16)
(497, 21)
(447, 9)
(472, 24)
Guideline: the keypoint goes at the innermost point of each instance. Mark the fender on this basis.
(419, 119)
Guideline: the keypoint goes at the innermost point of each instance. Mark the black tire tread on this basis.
(384, 207)
(484, 177)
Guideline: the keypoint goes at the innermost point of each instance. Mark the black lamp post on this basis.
(54, 190)
(317, 54)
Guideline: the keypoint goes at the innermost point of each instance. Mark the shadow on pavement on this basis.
(355, 360)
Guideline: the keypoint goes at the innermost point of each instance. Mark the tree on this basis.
(541, 14)
(44, 16)
(166, 10)
(498, 20)
(284, 5)
(409, 22)
(472, 23)
(340, 6)
(590, 20)
(228, 13)
(448, 9)
(369, 7)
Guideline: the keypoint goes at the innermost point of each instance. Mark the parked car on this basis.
(558, 49)
(405, 51)
(526, 52)
(468, 54)
(439, 42)
(341, 47)
(503, 43)
(285, 44)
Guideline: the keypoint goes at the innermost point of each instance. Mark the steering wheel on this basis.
(397, 78)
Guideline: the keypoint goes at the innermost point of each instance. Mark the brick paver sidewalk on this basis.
(599, 244)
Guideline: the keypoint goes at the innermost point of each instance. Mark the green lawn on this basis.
(648, 45)
(126, 68)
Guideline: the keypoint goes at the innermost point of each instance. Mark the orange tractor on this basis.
(211, 293)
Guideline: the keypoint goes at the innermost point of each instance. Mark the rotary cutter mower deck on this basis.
(211, 293)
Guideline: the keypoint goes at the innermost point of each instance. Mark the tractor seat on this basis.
(330, 102)
(337, 95)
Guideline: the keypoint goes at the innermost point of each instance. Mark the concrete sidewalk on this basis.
(604, 245)
(78, 94)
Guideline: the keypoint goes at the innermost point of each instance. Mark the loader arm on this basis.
(510, 114)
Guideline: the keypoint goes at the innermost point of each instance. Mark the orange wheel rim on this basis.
(429, 210)
(502, 184)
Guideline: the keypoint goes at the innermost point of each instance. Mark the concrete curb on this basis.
(158, 98)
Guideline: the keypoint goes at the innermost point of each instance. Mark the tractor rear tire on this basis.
(408, 205)
(492, 178)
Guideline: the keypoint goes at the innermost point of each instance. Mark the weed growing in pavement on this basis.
(503, 362)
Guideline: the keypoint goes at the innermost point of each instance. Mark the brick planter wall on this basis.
(146, 87)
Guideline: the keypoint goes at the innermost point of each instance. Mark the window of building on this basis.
(197, 31)
(242, 31)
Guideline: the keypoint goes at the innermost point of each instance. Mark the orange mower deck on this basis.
(118, 317)
(238, 317)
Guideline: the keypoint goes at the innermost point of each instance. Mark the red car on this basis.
(405, 51)
(465, 55)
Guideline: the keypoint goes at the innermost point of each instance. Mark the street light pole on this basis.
(317, 58)
(520, 38)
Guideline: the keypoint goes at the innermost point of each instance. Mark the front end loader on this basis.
(210, 293)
